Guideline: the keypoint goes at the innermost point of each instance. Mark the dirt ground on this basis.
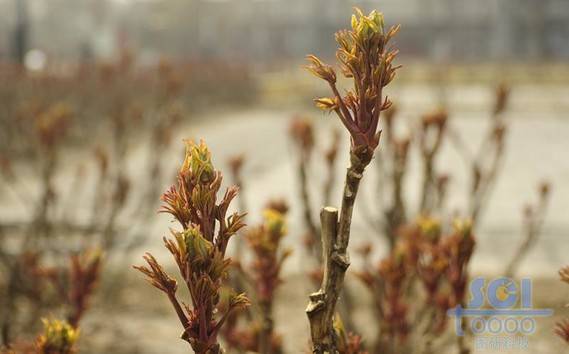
(141, 320)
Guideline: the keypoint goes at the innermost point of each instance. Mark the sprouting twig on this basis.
(199, 249)
(364, 55)
(534, 218)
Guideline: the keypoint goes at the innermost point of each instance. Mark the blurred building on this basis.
(271, 31)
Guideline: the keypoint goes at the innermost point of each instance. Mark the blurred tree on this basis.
(21, 31)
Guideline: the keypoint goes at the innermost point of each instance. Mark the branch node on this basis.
(355, 174)
(342, 260)
(314, 307)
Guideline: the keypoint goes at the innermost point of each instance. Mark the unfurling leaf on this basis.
(198, 161)
(326, 103)
(58, 337)
(321, 70)
(196, 245)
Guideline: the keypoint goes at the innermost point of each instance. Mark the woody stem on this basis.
(335, 238)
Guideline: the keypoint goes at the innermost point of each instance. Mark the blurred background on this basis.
(97, 95)
(275, 32)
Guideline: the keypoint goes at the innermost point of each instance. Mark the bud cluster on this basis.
(439, 264)
(199, 248)
(364, 55)
(58, 337)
